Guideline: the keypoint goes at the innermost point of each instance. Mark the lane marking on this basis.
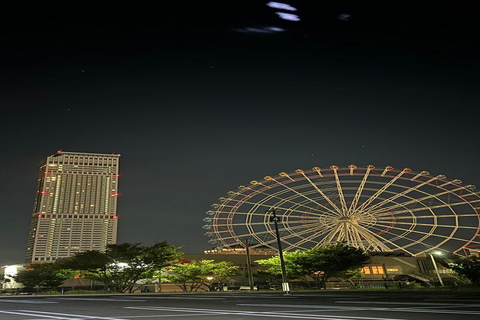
(393, 302)
(101, 299)
(26, 301)
(180, 298)
(32, 315)
(258, 314)
(412, 310)
(71, 316)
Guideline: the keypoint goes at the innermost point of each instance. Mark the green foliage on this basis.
(292, 269)
(468, 268)
(43, 275)
(195, 275)
(320, 264)
(121, 266)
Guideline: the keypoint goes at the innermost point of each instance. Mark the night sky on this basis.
(202, 98)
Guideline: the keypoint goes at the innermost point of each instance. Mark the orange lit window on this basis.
(366, 270)
(377, 270)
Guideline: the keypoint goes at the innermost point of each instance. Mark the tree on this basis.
(197, 274)
(43, 275)
(292, 268)
(121, 266)
(320, 264)
(222, 272)
(468, 268)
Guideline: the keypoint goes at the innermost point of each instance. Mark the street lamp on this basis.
(438, 253)
(275, 219)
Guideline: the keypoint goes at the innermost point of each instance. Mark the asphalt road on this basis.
(327, 305)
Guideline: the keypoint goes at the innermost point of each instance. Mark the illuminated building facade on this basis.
(75, 208)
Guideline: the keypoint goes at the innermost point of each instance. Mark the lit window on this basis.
(366, 270)
(377, 270)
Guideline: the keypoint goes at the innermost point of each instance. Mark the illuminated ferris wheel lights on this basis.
(380, 210)
(388, 168)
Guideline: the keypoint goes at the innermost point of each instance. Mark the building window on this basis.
(377, 270)
(366, 270)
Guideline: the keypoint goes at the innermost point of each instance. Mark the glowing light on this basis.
(281, 6)
(115, 194)
(40, 216)
(44, 192)
(46, 172)
(113, 217)
(10, 271)
(288, 16)
(116, 175)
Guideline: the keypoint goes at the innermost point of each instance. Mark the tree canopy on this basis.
(197, 274)
(319, 264)
(121, 266)
(468, 268)
(43, 275)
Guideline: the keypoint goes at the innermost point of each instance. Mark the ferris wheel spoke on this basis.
(380, 191)
(340, 191)
(373, 242)
(439, 225)
(309, 200)
(358, 194)
(301, 233)
(431, 234)
(425, 236)
(436, 196)
(364, 208)
(380, 213)
(404, 236)
(385, 240)
(311, 237)
(336, 210)
(328, 239)
(401, 194)
(277, 196)
(269, 206)
(385, 217)
(261, 214)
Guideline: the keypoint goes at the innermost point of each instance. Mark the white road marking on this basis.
(392, 302)
(26, 301)
(180, 298)
(101, 299)
(410, 309)
(31, 315)
(70, 316)
(258, 314)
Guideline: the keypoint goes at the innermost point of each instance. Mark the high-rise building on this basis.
(75, 208)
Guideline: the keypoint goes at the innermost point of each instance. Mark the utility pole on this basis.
(275, 219)
(249, 264)
(436, 269)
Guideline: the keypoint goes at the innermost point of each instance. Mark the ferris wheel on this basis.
(375, 209)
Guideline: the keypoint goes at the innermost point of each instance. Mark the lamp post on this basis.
(435, 265)
(249, 264)
(275, 219)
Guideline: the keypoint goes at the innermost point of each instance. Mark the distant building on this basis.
(75, 208)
